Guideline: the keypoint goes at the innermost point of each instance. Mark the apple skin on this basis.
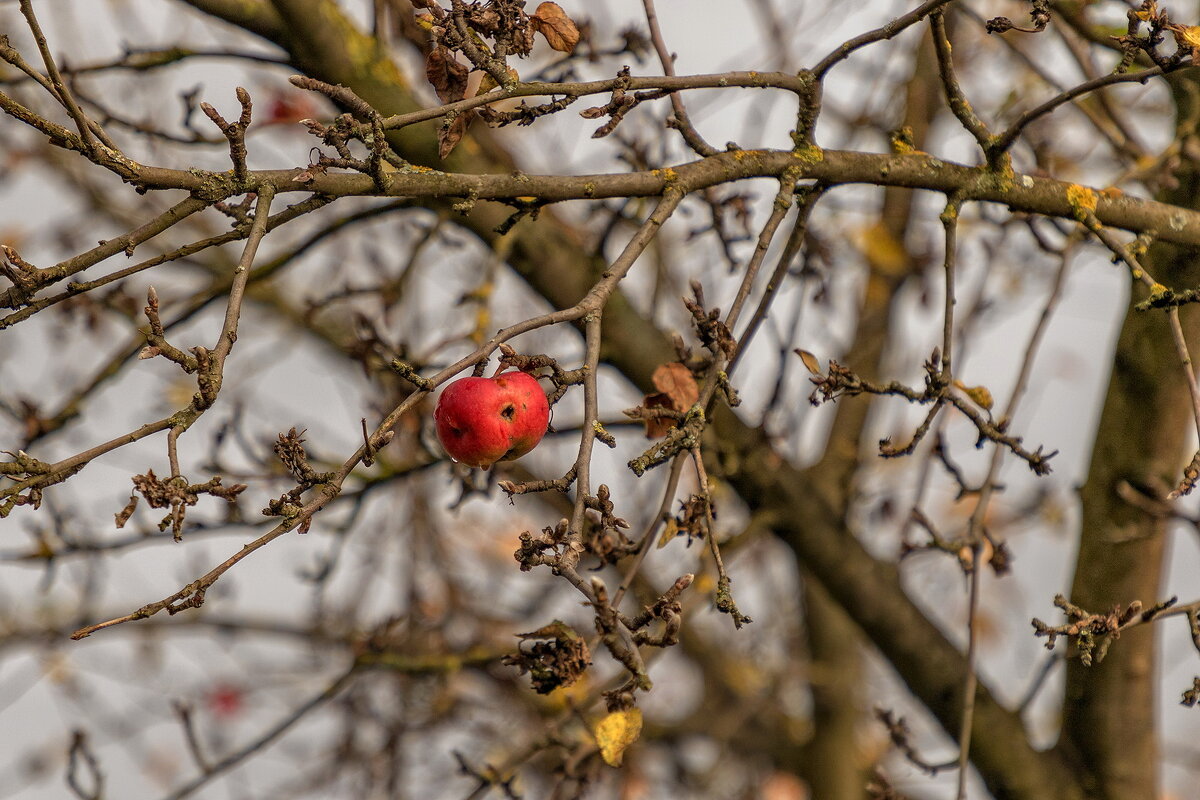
(484, 420)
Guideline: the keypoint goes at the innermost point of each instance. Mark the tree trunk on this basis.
(1146, 433)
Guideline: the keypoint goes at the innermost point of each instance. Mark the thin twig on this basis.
(779, 210)
(89, 131)
(110, 247)
(682, 122)
(672, 83)
(1038, 682)
(192, 595)
(808, 201)
(954, 94)
(241, 276)
(970, 680)
(267, 738)
(1005, 140)
(651, 533)
(76, 288)
(80, 752)
(888, 31)
(724, 599)
(976, 530)
(184, 712)
(949, 219)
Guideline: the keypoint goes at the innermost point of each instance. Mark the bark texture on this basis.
(1110, 712)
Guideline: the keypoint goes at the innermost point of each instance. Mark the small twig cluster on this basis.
(901, 737)
(174, 493)
(1158, 25)
(839, 381)
(290, 449)
(604, 535)
(361, 124)
(1040, 16)
(556, 548)
(620, 103)
(466, 29)
(1091, 633)
(997, 553)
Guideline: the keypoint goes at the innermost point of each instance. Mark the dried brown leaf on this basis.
(552, 22)
(446, 75)
(450, 135)
(657, 427)
(811, 363)
(676, 381)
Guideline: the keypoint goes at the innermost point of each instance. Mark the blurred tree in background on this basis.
(826, 307)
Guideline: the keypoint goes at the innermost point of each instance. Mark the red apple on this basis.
(225, 701)
(484, 420)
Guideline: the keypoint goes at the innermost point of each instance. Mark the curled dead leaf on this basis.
(450, 135)
(554, 655)
(446, 75)
(553, 23)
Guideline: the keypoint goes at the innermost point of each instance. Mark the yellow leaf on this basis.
(882, 251)
(981, 395)
(670, 531)
(487, 83)
(616, 732)
(1187, 35)
(483, 322)
(565, 698)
